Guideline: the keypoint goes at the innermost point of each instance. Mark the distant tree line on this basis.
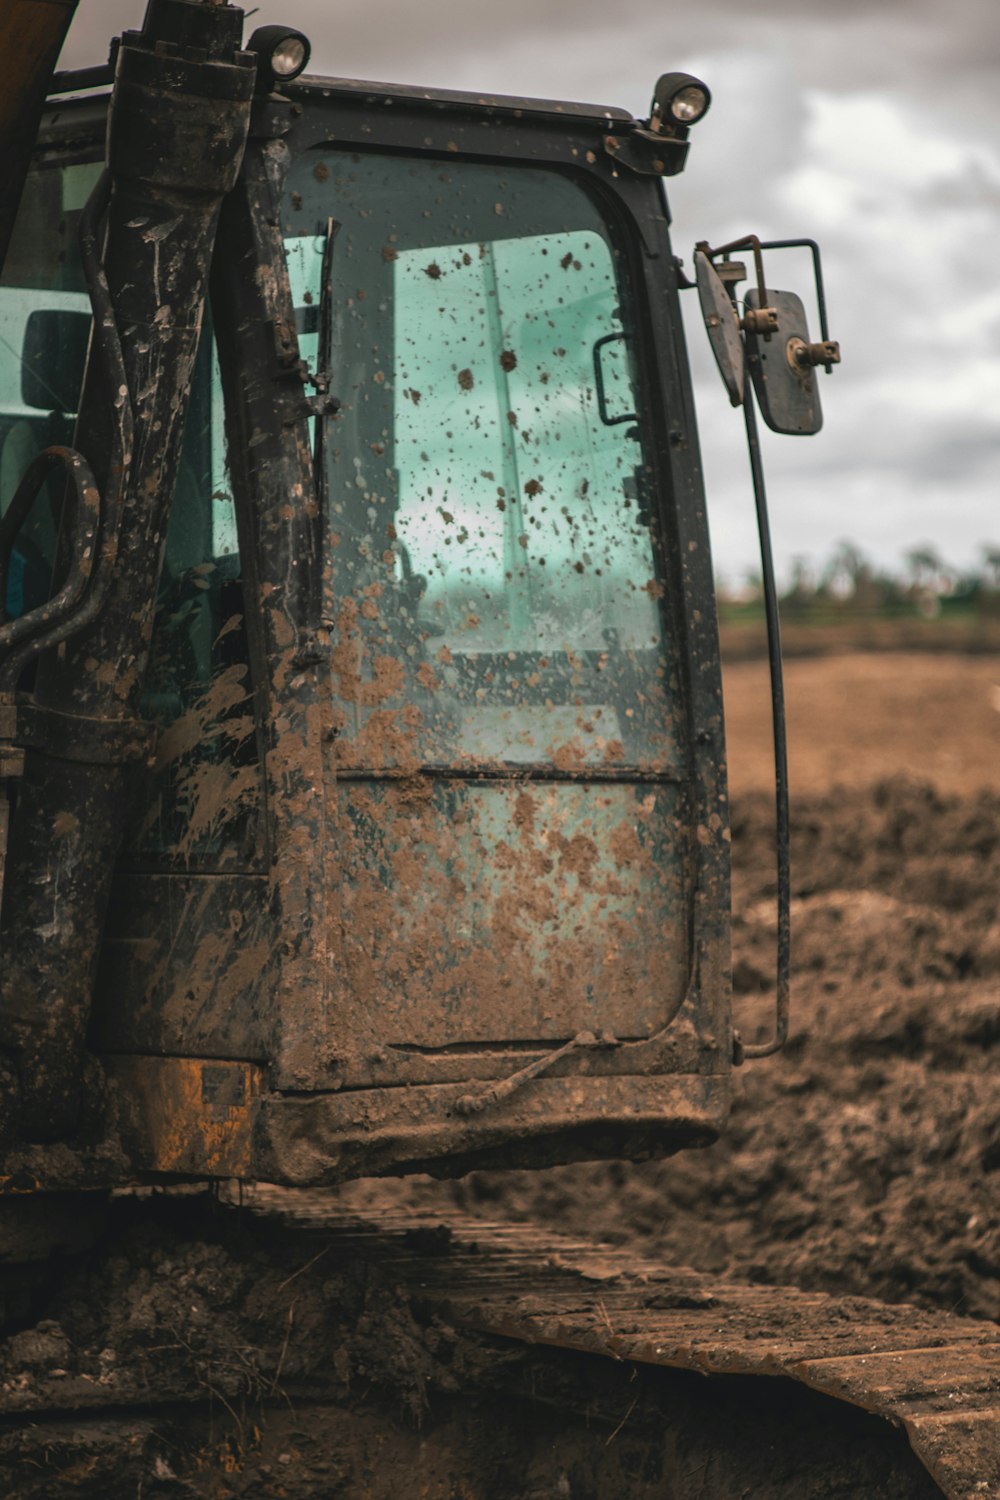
(850, 584)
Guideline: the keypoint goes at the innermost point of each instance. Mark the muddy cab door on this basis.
(507, 761)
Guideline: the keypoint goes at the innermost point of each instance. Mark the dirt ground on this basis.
(865, 1159)
(857, 719)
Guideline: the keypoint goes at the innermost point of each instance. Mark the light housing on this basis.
(679, 101)
(282, 54)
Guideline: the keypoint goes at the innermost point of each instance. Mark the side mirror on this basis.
(722, 325)
(771, 339)
(783, 368)
(53, 357)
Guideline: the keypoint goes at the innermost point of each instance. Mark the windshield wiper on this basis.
(324, 360)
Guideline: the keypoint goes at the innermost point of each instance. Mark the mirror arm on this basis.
(782, 816)
(811, 245)
(748, 242)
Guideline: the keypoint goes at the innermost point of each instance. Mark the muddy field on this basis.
(202, 1352)
(866, 1159)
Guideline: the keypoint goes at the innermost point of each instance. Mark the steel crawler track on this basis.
(935, 1375)
(221, 1352)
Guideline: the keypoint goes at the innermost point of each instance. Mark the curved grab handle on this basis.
(602, 400)
(74, 607)
(82, 554)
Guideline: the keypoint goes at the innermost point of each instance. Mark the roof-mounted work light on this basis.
(679, 100)
(282, 55)
(659, 145)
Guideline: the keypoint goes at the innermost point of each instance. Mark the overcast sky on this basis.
(873, 127)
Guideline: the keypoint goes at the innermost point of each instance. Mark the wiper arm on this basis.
(324, 359)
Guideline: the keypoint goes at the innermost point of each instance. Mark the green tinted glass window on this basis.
(497, 584)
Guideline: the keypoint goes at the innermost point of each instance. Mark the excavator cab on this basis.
(423, 859)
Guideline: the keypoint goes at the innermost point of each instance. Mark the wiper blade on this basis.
(324, 360)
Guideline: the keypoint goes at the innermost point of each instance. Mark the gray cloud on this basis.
(862, 44)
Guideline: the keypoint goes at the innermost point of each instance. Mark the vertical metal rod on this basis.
(324, 361)
(764, 1049)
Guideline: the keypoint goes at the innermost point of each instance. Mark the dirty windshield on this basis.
(496, 586)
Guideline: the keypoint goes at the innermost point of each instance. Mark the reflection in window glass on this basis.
(203, 799)
(44, 328)
(497, 584)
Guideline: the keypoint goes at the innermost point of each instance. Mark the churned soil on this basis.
(207, 1354)
(866, 1157)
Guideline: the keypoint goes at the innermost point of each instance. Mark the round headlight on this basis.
(290, 56)
(679, 100)
(281, 55)
(689, 105)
